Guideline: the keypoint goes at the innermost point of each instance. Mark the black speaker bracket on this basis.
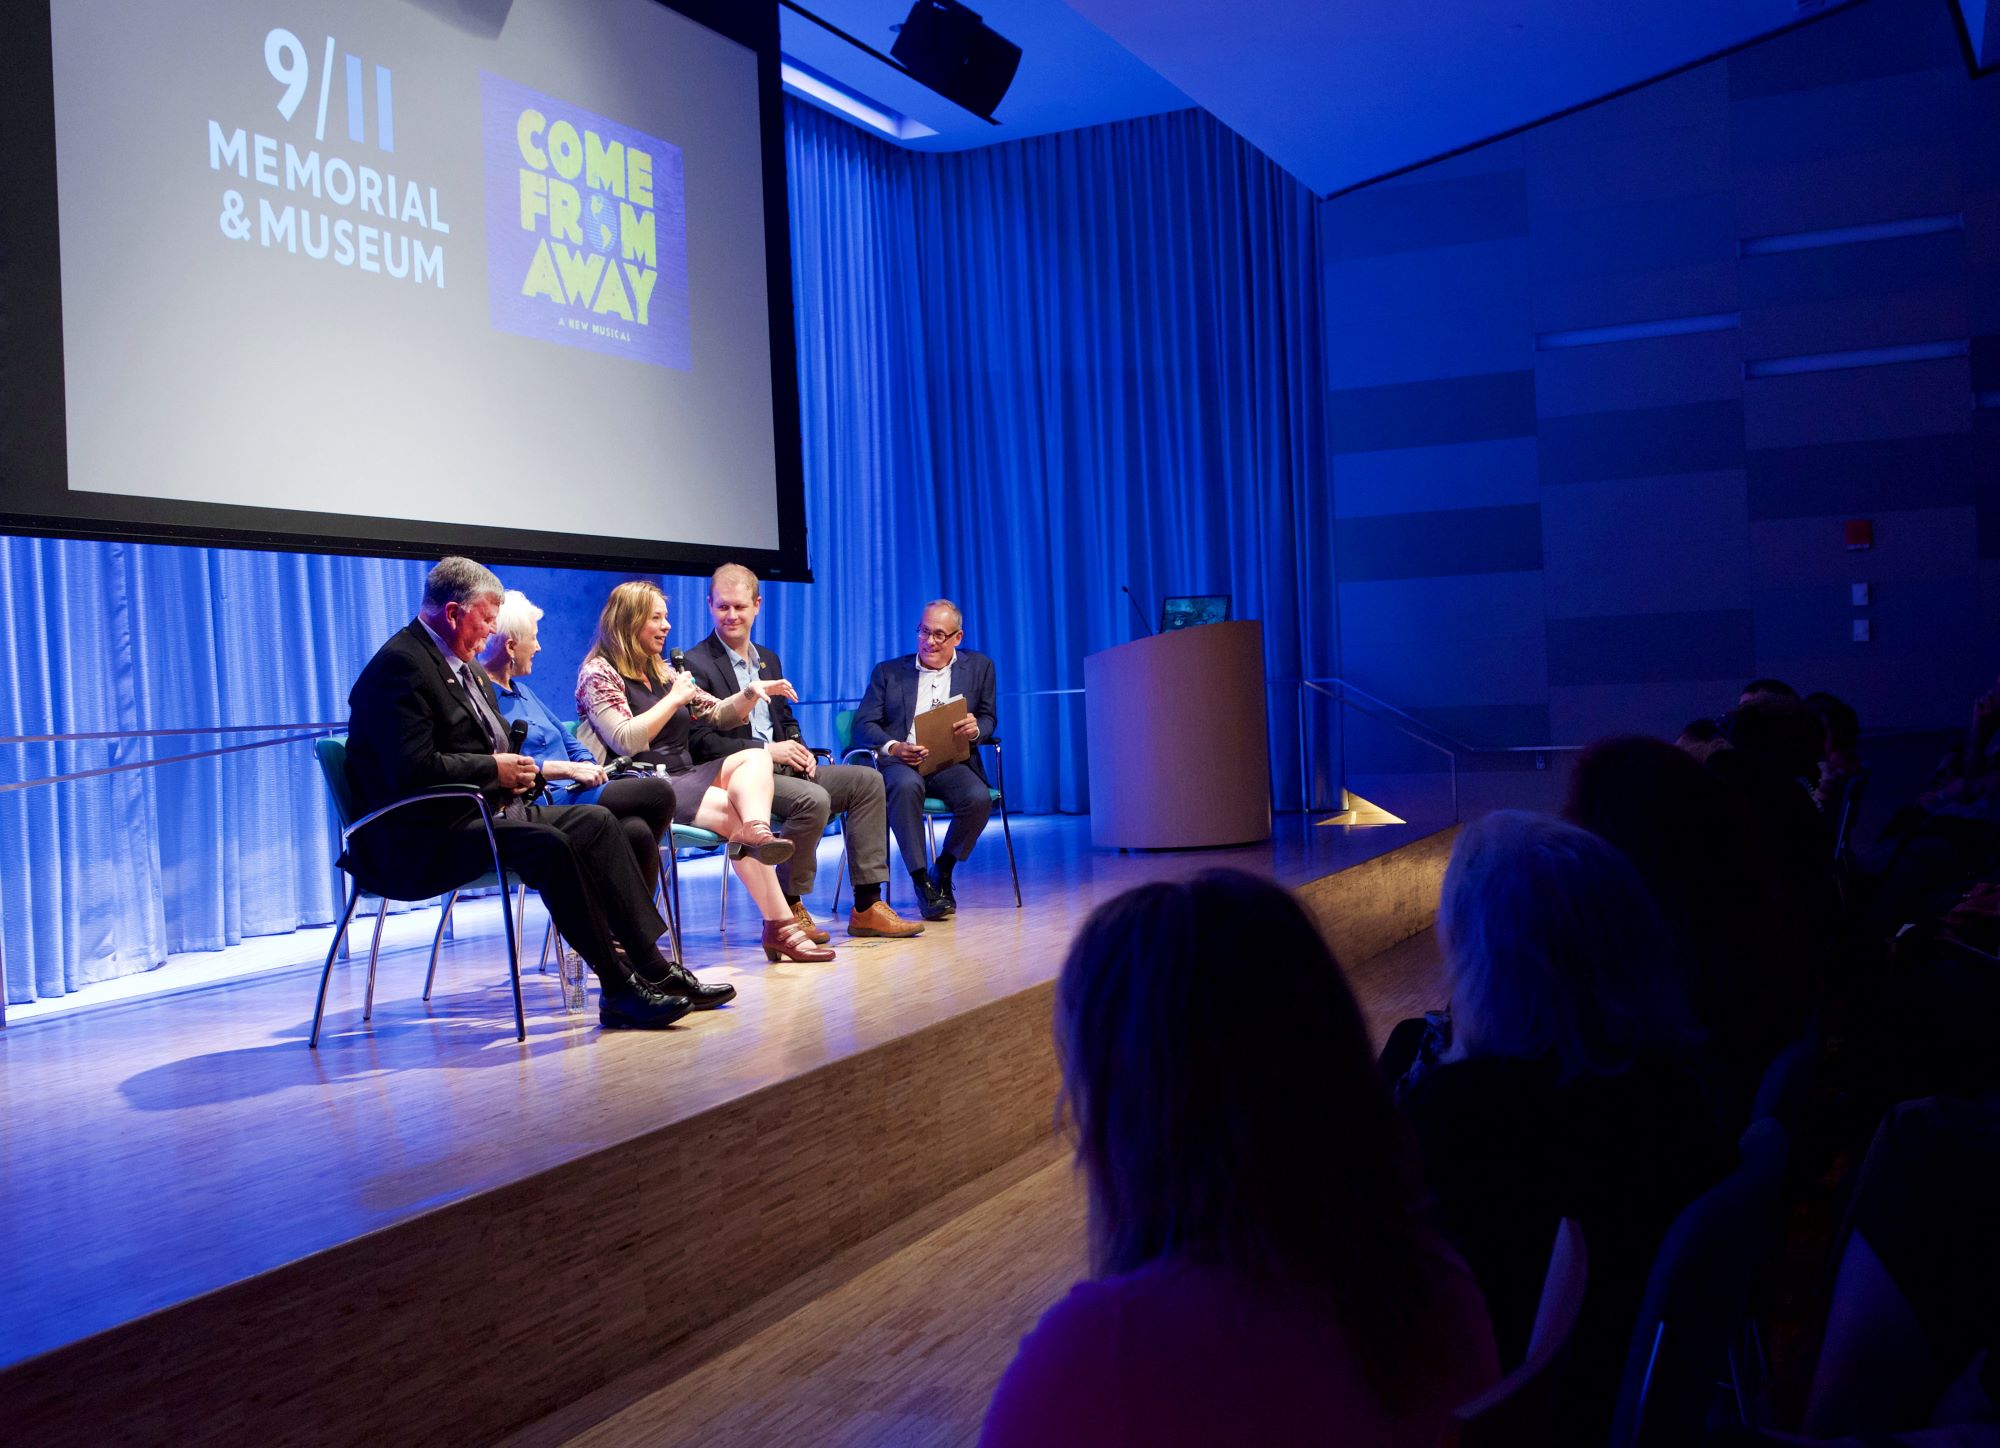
(888, 60)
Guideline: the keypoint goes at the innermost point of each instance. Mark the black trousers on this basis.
(645, 808)
(584, 860)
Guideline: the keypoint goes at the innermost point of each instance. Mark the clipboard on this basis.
(934, 734)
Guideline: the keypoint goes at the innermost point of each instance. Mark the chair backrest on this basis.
(332, 755)
(843, 732)
(1526, 1407)
(1849, 807)
(1788, 1082)
(570, 726)
(1698, 1295)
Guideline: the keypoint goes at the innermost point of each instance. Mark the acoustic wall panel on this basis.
(1842, 298)
(1641, 442)
(1859, 404)
(1687, 550)
(1629, 376)
(1487, 276)
(1663, 257)
(1689, 518)
(1368, 351)
(1457, 475)
(1425, 414)
(1454, 541)
(1425, 643)
(1670, 139)
(1860, 479)
(1651, 648)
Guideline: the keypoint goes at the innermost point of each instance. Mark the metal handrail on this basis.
(1318, 686)
(1341, 691)
(321, 731)
(162, 733)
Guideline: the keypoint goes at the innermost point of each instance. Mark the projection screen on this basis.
(403, 277)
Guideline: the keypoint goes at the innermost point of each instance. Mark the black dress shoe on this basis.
(931, 902)
(681, 981)
(640, 1007)
(949, 896)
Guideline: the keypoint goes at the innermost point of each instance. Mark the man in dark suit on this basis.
(423, 714)
(898, 691)
(805, 793)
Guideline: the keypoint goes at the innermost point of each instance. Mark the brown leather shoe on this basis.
(784, 938)
(879, 919)
(803, 918)
(756, 839)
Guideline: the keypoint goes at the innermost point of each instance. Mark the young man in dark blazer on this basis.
(423, 714)
(805, 793)
(898, 691)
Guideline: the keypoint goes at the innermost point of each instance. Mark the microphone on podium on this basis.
(1138, 611)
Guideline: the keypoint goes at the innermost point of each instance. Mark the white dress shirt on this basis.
(933, 688)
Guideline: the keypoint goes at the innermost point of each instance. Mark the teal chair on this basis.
(843, 732)
(332, 755)
(707, 842)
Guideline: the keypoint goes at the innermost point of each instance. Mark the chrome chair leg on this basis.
(374, 950)
(1012, 869)
(670, 887)
(326, 972)
(444, 927)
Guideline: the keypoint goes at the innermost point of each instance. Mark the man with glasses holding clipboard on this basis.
(953, 686)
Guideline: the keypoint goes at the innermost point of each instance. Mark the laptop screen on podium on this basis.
(1195, 609)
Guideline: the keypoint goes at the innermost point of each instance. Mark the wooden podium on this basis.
(1175, 728)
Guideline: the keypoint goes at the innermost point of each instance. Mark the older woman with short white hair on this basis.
(645, 805)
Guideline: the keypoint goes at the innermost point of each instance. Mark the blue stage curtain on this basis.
(1029, 374)
(1037, 371)
(105, 876)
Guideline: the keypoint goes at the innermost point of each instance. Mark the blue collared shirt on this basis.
(748, 672)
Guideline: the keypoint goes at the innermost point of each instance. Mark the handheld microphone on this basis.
(1138, 610)
(517, 735)
(703, 703)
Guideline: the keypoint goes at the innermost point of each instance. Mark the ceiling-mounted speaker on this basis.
(951, 50)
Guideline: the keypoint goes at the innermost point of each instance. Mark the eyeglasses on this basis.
(936, 635)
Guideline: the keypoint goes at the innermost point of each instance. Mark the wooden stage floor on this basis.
(159, 1150)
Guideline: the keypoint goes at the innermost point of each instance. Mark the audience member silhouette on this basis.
(1688, 834)
(1773, 762)
(1567, 1086)
(1260, 1275)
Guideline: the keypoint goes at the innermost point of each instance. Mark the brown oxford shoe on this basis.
(803, 918)
(879, 919)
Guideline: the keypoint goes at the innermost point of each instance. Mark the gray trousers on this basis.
(800, 809)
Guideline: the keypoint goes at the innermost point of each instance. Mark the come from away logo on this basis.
(586, 228)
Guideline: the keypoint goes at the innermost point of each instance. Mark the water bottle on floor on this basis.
(575, 975)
